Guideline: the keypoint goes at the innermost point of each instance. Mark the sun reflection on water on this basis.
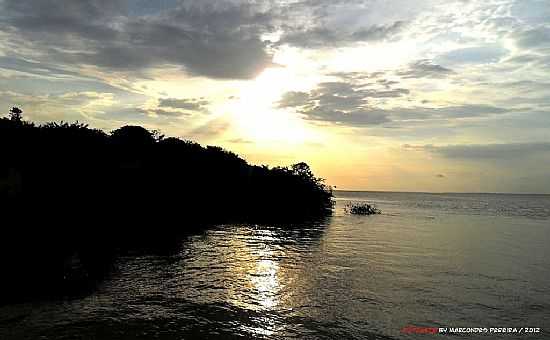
(260, 271)
(266, 283)
(258, 268)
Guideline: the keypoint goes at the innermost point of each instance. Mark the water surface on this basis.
(437, 260)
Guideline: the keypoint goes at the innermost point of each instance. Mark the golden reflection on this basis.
(257, 266)
(266, 283)
(259, 287)
(267, 328)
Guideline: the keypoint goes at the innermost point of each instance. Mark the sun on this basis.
(269, 86)
(257, 116)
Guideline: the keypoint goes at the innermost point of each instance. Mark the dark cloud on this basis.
(176, 107)
(192, 104)
(218, 41)
(341, 95)
(325, 37)
(337, 96)
(470, 110)
(393, 93)
(349, 102)
(506, 151)
(425, 69)
(378, 32)
(61, 18)
(387, 83)
(360, 117)
(294, 99)
(354, 111)
(342, 102)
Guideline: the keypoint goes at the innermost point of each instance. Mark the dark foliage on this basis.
(72, 195)
(15, 114)
(362, 208)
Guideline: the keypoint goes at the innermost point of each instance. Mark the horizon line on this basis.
(445, 192)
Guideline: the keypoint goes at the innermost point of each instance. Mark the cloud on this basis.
(211, 129)
(61, 106)
(504, 151)
(532, 11)
(175, 107)
(343, 102)
(294, 99)
(423, 116)
(523, 85)
(164, 113)
(467, 110)
(352, 101)
(533, 39)
(378, 32)
(240, 141)
(188, 104)
(72, 99)
(424, 69)
(212, 39)
(348, 93)
(473, 55)
(357, 118)
(321, 37)
(36, 69)
(80, 98)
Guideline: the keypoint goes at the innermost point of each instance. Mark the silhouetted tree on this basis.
(304, 171)
(16, 114)
(80, 193)
(136, 136)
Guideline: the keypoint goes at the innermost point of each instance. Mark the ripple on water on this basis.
(348, 277)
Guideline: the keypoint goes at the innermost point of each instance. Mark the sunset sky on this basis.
(434, 95)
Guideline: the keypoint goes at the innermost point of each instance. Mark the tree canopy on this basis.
(67, 187)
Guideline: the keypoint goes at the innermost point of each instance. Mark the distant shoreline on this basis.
(336, 191)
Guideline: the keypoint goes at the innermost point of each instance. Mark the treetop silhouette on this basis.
(70, 188)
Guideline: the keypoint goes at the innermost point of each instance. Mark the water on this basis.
(435, 260)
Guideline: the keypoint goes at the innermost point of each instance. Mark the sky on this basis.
(399, 95)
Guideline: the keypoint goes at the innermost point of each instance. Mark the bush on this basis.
(362, 208)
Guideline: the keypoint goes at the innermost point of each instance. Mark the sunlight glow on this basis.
(256, 116)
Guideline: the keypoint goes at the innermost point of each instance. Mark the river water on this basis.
(429, 260)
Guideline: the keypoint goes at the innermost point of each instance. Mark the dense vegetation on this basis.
(362, 208)
(67, 188)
